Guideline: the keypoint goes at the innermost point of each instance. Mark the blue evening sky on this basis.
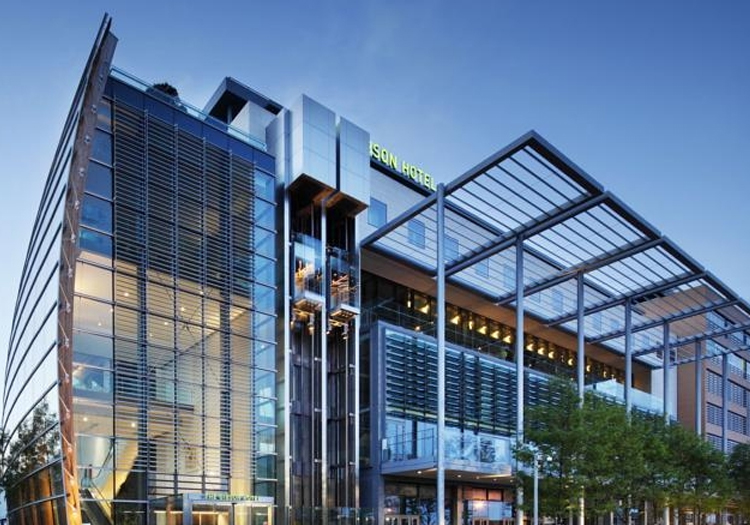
(651, 98)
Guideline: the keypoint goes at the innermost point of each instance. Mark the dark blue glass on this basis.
(101, 150)
(377, 214)
(97, 213)
(99, 180)
(265, 162)
(158, 109)
(95, 242)
(187, 123)
(416, 233)
(128, 95)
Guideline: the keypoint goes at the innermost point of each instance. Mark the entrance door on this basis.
(401, 519)
(212, 515)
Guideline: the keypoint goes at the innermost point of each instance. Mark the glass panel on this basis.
(102, 147)
(97, 213)
(99, 180)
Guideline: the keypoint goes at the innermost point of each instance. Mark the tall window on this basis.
(377, 213)
(416, 233)
(451, 248)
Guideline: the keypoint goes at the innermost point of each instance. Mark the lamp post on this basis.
(538, 458)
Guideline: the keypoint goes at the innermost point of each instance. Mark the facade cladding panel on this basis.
(198, 307)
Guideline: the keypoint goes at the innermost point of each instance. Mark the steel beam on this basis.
(698, 338)
(587, 266)
(684, 314)
(527, 230)
(635, 296)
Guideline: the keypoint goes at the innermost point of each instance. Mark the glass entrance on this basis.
(217, 514)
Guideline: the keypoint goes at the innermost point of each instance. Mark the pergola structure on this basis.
(528, 220)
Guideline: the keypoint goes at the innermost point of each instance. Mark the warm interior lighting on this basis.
(425, 309)
(483, 330)
(456, 319)
(507, 339)
(570, 361)
(495, 334)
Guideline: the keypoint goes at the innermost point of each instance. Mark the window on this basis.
(482, 268)
(737, 423)
(557, 301)
(416, 233)
(377, 213)
(99, 180)
(713, 381)
(596, 321)
(713, 414)
(509, 277)
(97, 213)
(451, 248)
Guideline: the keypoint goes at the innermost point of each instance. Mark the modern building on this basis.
(254, 313)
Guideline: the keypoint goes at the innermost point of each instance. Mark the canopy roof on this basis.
(568, 224)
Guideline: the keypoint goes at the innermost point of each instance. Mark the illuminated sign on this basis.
(410, 171)
(235, 498)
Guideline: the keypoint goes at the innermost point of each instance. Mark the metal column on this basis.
(440, 263)
(581, 367)
(724, 402)
(628, 355)
(666, 383)
(324, 366)
(581, 354)
(698, 389)
(519, 366)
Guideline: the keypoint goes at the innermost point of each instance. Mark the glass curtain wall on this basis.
(175, 326)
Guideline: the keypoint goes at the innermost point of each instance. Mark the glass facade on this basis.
(175, 322)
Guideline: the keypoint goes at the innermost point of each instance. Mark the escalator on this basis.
(95, 511)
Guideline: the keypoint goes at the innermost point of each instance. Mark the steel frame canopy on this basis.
(529, 194)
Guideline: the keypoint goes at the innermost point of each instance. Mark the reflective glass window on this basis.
(97, 213)
(482, 268)
(104, 115)
(99, 180)
(265, 185)
(102, 147)
(377, 213)
(416, 233)
(451, 248)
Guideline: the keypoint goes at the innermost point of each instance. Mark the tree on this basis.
(739, 471)
(614, 458)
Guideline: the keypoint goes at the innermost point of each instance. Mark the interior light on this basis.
(483, 330)
(126, 294)
(456, 319)
(507, 339)
(495, 334)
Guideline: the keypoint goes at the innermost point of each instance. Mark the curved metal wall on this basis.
(40, 480)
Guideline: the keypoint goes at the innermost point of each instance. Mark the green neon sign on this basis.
(410, 171)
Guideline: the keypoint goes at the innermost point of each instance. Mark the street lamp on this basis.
(538, 458)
